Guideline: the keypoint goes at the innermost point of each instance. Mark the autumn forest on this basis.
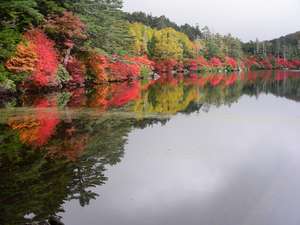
(73, 43)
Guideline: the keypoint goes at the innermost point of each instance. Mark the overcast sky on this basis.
(246, 19)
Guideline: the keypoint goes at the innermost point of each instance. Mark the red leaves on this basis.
(121, 71)
(140, 60)
(295, 63)
(68, 26)
(37, 57)
(165, 65)
(231, 79)
(192, 65)
(77, 71)
(125, 93)
(36, 130)
(215, 62)
(197, 64)
(270, 63)
(47, 60)
(118, 68)
(216, 80)
(230, 63)
(282, 63)
(266, 64)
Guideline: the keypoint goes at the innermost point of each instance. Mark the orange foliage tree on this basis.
(36, 56)
(24, 60)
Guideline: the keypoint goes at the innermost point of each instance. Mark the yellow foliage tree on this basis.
(171, 44)
(142, 35)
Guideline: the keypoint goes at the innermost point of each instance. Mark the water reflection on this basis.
(56, 148)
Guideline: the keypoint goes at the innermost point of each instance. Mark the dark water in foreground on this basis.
(171, 151)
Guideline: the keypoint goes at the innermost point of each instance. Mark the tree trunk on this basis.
(67, 56)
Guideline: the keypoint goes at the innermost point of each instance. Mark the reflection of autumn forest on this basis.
(48, 158)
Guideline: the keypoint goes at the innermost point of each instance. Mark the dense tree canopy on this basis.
(94, 41)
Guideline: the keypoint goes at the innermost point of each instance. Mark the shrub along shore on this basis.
(54, 44)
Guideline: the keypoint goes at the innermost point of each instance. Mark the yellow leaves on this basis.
(167, 45)
(141, 35)
(24, 60)
(161, 44)
(171, 44)
(166, 98)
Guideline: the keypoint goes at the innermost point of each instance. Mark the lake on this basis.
(201, 149)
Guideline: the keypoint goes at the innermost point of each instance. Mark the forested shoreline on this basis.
(71, 43)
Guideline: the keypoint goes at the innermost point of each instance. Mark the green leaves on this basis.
(9, 38)
(19, 14)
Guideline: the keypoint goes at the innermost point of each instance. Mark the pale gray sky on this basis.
(246, 19)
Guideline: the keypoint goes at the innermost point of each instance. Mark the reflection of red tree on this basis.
(231, 79)
(281, 75)
(192, 79)
(99, 98)
(78, 98)
(215, 80)
(168, 78)
(37, 129)
(72, 146)
(251, 76)
(266, 76)
(125, 93)
(202, 81)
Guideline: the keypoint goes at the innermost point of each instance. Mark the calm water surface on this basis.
(171, 151)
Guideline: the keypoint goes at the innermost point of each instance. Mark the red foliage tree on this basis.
(215, 62)
(266, 64)
(120, 70)
(230, 63)
(202, 62)
(252, 63)
(67, 29)
(77, 71)
(46, 66)
(165, 65)
(140, 60)
(281, 63)
(192, 65)
(202, 81)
